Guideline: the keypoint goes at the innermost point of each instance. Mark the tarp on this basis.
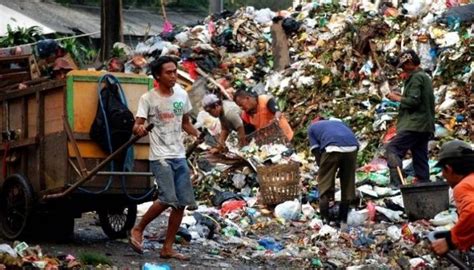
(15, 19)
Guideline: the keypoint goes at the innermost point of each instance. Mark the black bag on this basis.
(118, 119)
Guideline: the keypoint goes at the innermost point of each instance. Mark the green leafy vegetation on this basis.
(20, 35)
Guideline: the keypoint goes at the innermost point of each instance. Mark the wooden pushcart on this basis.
(46, 150)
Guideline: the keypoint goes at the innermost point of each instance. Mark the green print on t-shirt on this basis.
(178, 107)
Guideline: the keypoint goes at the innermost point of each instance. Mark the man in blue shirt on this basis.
(335, 148)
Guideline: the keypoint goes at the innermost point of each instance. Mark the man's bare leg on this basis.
(155, 210)
(173, 227)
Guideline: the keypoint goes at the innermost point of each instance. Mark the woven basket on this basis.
(269, 134)
(279, 183)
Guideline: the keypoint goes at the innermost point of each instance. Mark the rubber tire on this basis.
(128, 220)
(25, 186)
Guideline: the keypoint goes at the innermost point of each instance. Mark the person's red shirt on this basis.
(462, 234)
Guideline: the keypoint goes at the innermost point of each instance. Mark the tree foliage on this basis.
(20, 35)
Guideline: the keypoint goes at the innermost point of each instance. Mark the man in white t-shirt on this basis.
(167, 107)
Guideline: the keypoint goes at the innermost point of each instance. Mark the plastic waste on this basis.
(5, 248)
(152, 266)
(231, 206)
(379, 179)
(444, 218)
(390, 214)
(264, 16)
(270, 244)
(183, 232)
(327, 230)
(316, 223)
(308, 210)
(357, 218)
(394, 233)
(371, 211)
(289, 210)
(238, 180)
(440, 131)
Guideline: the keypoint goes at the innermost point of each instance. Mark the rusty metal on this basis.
(94, 171)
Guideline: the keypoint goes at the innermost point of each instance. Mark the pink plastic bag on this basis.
(167, 27)
(371, 208)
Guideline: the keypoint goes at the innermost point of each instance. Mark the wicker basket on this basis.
(279, 183)
(269, 134)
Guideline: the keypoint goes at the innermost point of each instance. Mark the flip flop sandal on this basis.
(135, 245)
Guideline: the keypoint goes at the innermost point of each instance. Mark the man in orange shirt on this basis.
(456, 159)
(260, 110)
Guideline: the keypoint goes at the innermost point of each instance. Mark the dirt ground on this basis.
(89, 237)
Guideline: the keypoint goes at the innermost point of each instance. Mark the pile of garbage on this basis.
(22, 256)
(339, 59)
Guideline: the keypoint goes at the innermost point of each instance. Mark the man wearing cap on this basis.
(229, 115)
(61, 68)
(456, 159)
(260, 110)
(335, 147)
(415, 125)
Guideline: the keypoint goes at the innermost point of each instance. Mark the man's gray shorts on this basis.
(174, 183)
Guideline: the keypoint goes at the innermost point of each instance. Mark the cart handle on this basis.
(432, 236)
(94, 171)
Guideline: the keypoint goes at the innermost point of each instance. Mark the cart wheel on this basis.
(117, 222)
(16, 202)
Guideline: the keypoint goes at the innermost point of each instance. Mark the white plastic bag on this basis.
(289, 210)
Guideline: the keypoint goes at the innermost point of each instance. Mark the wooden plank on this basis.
(54, 109)
(15, 77)
(24, 133)
(55, 151)
(15, 109)
(46, 86)
(32, 117)
(40, 135)
(20, 144)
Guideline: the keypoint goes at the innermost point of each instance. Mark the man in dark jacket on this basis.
(415, 125)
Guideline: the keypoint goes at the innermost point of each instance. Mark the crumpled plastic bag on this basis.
(289, 210)
(444, 218)
(308, 210)
(394, 232)
(238, 180)
(394, 216)
(5, 248)
(357, 218)
(264, 15)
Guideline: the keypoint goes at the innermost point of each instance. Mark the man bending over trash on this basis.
(229, 115)
(260, 111)
(167, 107)
(335, 147)
(456, 159)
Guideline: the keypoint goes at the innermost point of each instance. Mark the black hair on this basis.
(243, 93)
(462, 166)
(415, 59)
(157, 64)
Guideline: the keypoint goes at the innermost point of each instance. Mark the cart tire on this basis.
(16, 203)
(117, 222)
